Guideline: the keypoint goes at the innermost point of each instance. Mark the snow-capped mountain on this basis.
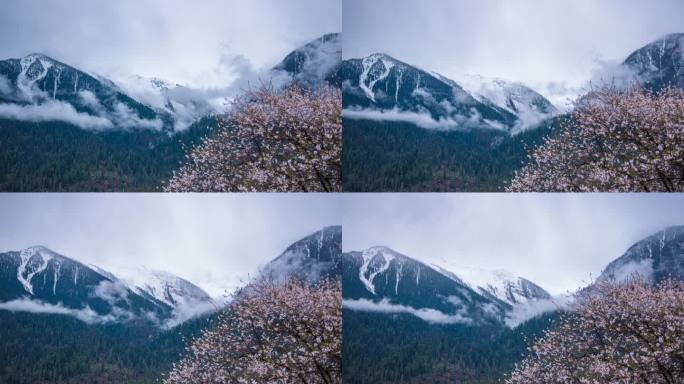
(527, 105)
(311, 258)
(184, 105)
(388, 87)
(654, 258)
(382, 277)
(500, 284)
(39, 277)
(40, 88)
(161, 286)
(660, 63)
(315, 62)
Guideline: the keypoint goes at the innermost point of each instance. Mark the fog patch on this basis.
(111, 292)
(633, 270)
(421, 119)
(5, 86)
(429, 315)
(54, 111)
(188, 310)
(125, 117)
(87, 315)
(533, 308)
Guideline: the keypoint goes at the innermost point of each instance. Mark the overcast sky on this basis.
(559, 241)
(197, 43)
(212, 240)
(553, 46)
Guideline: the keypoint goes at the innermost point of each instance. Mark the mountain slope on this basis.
(381, 83)
(162, 286)
(529, 107)
(62, 129)
(500, 284)
(654, 258)
(40, 280)
(660, 63)
(311, 258)
(39, 87)
(315, 63)
(390, 280)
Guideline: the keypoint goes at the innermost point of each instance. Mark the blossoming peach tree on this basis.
(270, 141)
(270, 333)
(621, 333)
(613, 141)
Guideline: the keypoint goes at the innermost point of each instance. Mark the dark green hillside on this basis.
(380, 349)
(391, 156)
(61, 157)
(67, 351)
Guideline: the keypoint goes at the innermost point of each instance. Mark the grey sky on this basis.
(213, 240)
(553, 46)
(559, 241)
(189, 42)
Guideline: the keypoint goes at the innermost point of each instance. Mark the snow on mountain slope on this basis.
(380, 87)
(39, 88)
(654, 258)
(161, 285)
(501, 284)
(42, 280)
(314, 63)
(184, 104)
(530, 107)
(660, 63)
(382, 280)
(310, 258)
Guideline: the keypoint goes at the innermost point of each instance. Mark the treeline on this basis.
(395, 156)
(58, 349)
(54, 156)
(378, 348)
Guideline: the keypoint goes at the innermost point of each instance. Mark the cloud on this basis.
(531, 41)
(89, 99)
(86, 314)
(612, 73)
(111, 292)
(384, 306)
(53, 111)
(125, 117)
(195, 35)
(5, 87)
(189, 310)
(421, 119)
(525, 311)
(635, 269)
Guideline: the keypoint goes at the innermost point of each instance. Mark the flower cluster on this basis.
(613, 141)
(620, 333)
(270, 333)
(271, 141)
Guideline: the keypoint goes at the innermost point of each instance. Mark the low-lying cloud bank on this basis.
(53, 111)
(180, 314)
(421, 119)
(384, 306)
(86, 315)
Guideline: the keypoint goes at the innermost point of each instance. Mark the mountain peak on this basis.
(654, 258)
(659, 63)
(674, 37)
(310, 258)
